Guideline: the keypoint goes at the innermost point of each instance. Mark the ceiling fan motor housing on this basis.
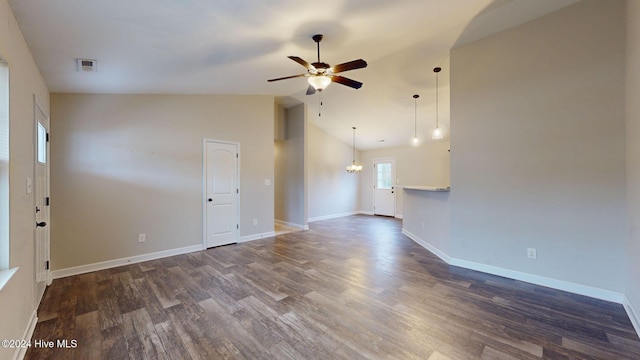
(320, 68)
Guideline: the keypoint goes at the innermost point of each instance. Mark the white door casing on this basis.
(41, 194)
(384, 189)
(221, 193)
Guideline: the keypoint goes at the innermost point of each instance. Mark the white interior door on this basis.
(384, 192)
(221, 193)
(41, 194)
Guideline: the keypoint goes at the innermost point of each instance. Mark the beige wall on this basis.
(633, 151)
(130, 164)
(19, 298)
(427, 219)
(538, 147)
(333, 191)
(423, 165)
(290, 168)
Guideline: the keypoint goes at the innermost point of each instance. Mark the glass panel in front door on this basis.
(383, 176)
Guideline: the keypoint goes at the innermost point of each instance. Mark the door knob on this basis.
(41, 224)
(209, 199)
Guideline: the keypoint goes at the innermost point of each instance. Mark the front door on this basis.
(384, 197)
(221, 193)
(41, 193)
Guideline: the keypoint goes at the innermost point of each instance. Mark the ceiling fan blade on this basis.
(346, 81)
(311, 90)
(351, 65)
(301, 62)
(287, 77)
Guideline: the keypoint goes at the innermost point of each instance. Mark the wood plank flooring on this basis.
(349, 288)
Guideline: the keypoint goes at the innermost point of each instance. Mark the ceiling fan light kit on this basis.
(320, 74)
(319, 82)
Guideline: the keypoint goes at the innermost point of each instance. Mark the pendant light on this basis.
(353, 168)
(415, 141)
(437, 133)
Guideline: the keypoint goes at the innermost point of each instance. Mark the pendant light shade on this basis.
(415, 141)
(437, 132)
(353, 168)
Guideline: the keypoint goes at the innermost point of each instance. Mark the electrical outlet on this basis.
(142, 238)
(255, 221)
(532, 253)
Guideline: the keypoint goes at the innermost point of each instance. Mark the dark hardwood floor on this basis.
(349, 288)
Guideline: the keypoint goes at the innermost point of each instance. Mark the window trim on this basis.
(6, 272)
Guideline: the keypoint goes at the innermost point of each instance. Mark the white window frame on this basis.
(5, 272)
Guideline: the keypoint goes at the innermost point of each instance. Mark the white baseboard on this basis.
(20, 352)
(257, 236)
(571, 287)
(633, 315)
(333, 216)
(365, 212)
(286, 223)
(83, 269)
(444, 257)
(579, 289)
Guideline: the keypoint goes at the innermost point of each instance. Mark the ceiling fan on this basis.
(320, 74)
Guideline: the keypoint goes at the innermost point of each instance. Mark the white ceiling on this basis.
(234, 46)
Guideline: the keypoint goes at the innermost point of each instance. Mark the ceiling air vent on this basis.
(87, 65)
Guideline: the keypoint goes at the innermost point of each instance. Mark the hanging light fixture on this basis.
(415, 141)
(353, 168)
(437, 133)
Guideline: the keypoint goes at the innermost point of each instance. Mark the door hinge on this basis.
(236, 155)
(237, 226)
(46, 201)
(47, 137)
(237, 191)
(46, 265)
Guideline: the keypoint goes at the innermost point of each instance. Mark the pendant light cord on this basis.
(437, 70)
(437, 100)
(415, 117)
(354, 146)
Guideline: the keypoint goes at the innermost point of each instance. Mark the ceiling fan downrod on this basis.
(317, 38)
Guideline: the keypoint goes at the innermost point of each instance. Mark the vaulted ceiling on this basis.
(233, 47)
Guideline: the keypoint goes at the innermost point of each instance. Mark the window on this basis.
(383, 176)
(42, 144)
(4, 167)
